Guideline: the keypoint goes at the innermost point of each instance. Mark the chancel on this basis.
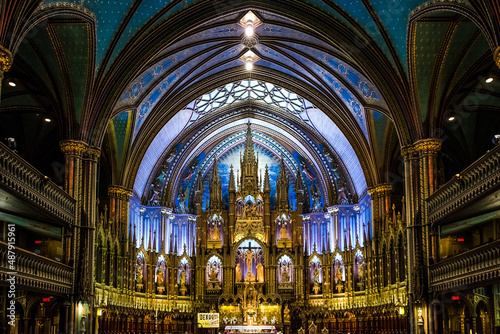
(250, 166)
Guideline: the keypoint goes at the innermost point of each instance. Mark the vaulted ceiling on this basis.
(366, 76)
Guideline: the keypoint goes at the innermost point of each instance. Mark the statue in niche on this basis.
(190, 172)
(316, 275)
(215, 232)
(182, 197)
(238, 273)
(339, 274)
(342, 199)
(156, 189)
(283, 232)
(315, 196)
(285, 276)
(183, 277)
(286, 314)
(213, 275)
(249, 257)
(138, 272)
(260, 273)
(361, 270)
(250, 211)
(159, 276)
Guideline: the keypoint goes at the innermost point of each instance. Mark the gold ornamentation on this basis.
(428, 146)
(119, 191)
(407, 152)
(73, 147)
(496, 56)
(5, 59)
(93, 152)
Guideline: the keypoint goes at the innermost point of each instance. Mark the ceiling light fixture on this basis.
(249, 64)
(12, 83)
(48, 120)
(489, 80)
(451, 118)
(249, 28)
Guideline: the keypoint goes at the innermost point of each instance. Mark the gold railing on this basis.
(21, 179)
(34, 271)
(470, 267)
(475, 181)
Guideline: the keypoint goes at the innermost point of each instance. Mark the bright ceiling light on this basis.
(12, 83)
(451, 118)
(249, 28)
(489, 80)
(249, 64)
(48, 120)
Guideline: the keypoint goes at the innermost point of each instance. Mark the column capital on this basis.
(5, 59)
(93, 153)
(427, 146)
(73, 147)
(407, 152)
(496, 56)
(119, 191)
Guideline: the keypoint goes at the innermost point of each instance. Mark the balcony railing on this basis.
(471, 267)
(22, 180)
(35, 271)
(475, 181)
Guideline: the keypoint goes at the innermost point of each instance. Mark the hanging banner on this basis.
(208, 320)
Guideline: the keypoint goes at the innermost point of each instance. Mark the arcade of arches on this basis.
(286, 166)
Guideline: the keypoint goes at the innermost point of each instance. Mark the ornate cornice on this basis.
(73, 147)
(407, 152)
(5, 59)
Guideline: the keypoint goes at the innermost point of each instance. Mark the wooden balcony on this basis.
(472, 267)
(35, 272)
(479, 179)
(27, 185)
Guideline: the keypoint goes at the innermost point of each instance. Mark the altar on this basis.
(268, 329)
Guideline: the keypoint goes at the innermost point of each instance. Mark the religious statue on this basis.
(238, 273)
(215, 233)
(156, 189)
(283, 232)
(249, 257)
(286, 314)
(183, 277)
(213, 275)
(361, 271)
(339, 275)
(250, 211)
(316, 275)
(159, 276)
(138, 272)
(285, 276)
(342, 199)
(260, 273)
(315, 196)
(182, 197)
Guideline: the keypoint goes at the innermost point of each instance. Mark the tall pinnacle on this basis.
(249, 154)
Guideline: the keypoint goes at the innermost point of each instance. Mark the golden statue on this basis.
(285, 276)
(215, 233)
(286, 314)
(260, 273)
(238, 273)
(213, 275)
(183, 277)
(159, 276)
(283, 232)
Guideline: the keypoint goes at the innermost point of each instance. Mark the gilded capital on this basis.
(93, 152)
(73, 147)
(428, 146)
(496, 56)
(407, 152)
(119, 192)
(5, 59)
(383, 188)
